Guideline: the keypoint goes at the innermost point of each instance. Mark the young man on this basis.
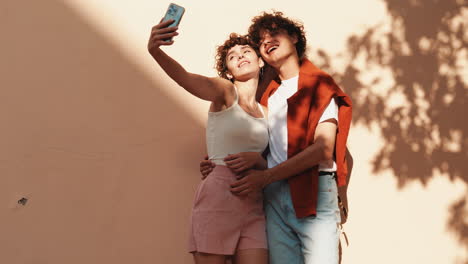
(309, 118)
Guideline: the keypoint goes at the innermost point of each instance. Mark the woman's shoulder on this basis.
(228, 92)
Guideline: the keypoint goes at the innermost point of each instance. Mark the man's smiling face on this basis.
(275, 47)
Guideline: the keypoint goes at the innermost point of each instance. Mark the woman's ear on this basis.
(229, 75)
(261, 63)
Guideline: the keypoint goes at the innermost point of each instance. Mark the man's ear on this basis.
(294, 38)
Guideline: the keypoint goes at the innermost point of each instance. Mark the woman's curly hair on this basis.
(222, 50)
(273, 23)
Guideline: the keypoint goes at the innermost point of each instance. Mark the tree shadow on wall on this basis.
(417, 56)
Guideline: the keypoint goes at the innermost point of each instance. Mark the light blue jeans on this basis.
(310, 240)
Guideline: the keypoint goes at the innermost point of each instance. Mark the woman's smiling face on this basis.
(243, 62)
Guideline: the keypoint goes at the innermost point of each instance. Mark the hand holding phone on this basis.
(162, 33)
(174, 12)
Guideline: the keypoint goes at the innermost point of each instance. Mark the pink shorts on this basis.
(223, 223)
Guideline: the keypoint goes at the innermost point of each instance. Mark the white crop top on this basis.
(233, 130)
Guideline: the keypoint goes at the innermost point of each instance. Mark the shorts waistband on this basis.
(218, 161)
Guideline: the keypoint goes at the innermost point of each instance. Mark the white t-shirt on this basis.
(278, 124)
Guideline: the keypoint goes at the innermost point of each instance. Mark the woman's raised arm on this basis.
(210, 89)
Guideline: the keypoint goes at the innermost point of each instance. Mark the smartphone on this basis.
(174, 12)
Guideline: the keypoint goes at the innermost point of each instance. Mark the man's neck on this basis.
(288, 68)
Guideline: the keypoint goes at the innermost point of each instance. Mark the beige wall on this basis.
(106, 147)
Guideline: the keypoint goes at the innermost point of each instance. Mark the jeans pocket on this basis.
(325, 183)
(271, 192)
(327, 202)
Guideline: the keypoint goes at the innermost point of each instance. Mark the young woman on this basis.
(222, 224)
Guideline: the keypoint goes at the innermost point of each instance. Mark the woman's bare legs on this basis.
(204, 258)
(251, 256)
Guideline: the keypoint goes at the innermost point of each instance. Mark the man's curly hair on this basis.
(222, 50)
(273, 23)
